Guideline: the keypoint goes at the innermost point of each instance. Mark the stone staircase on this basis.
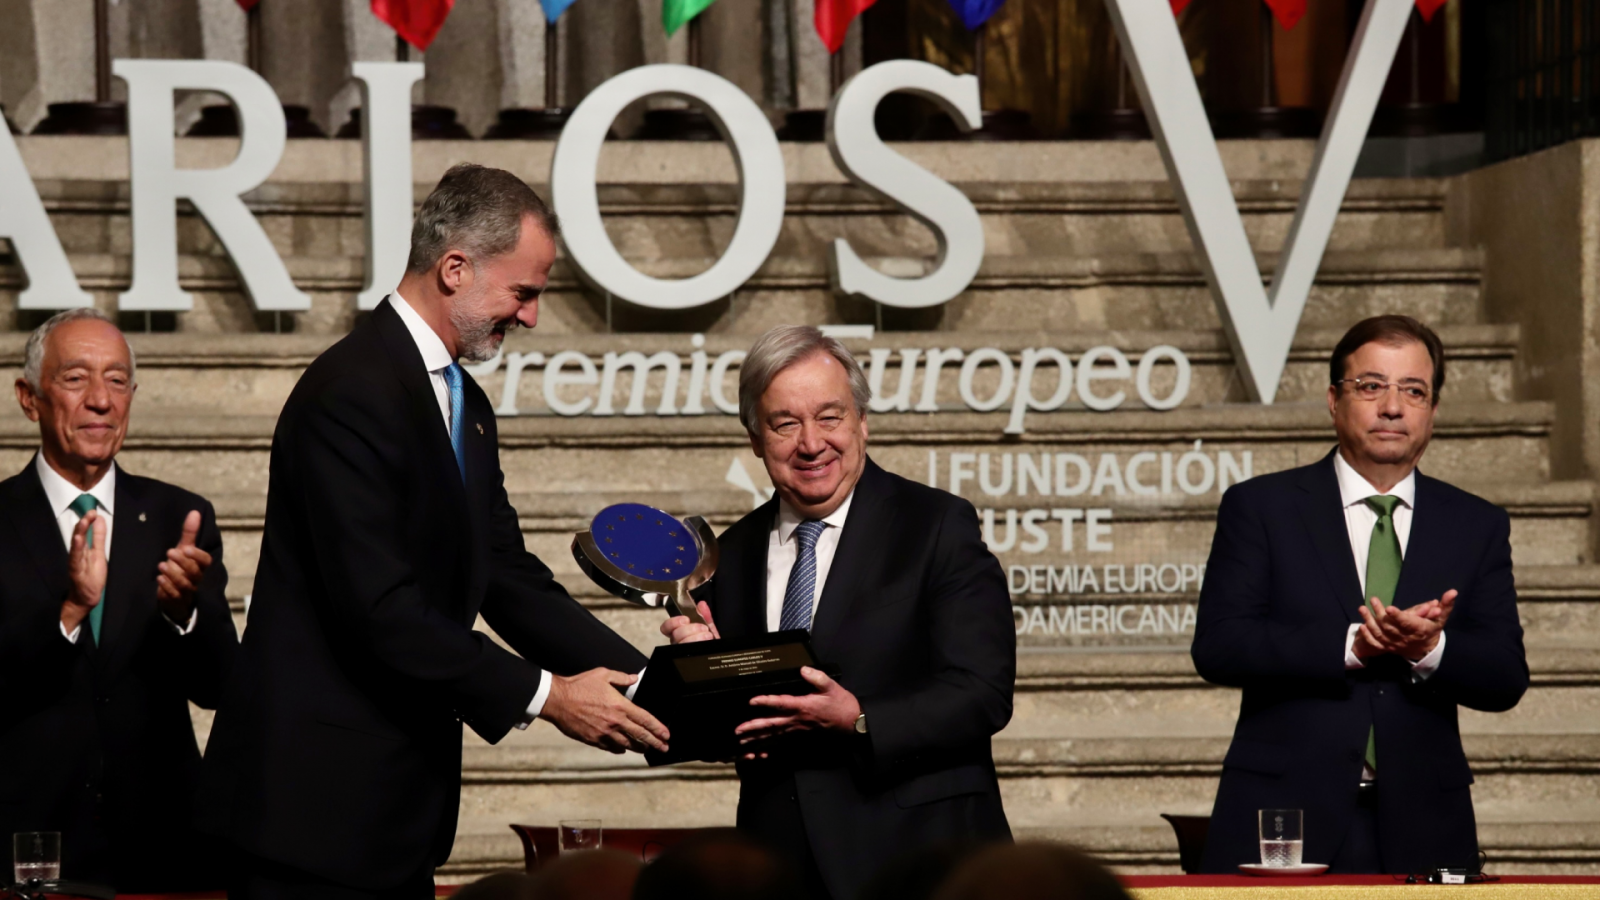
(1112, 726)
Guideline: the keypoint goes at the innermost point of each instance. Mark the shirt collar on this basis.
(789, 520)
(435, 355)
(61, 492)
(1353, 488)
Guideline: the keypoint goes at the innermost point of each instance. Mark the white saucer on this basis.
(1301, 870)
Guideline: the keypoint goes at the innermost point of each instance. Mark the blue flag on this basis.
(973, 13)
(554, 8)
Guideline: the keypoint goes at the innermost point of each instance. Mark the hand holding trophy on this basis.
(700, 691)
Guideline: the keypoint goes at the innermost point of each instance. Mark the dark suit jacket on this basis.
(916, 617)
(96, 742)
(337, 750)
(1280, 594)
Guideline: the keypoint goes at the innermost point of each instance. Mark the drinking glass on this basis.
(580, 834)
(1281, 837)
(36, 855)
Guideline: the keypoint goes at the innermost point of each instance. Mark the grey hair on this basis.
(477, 210)
(782, 347)
(33, 356)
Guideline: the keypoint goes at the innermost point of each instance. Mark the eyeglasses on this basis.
(1373, 390)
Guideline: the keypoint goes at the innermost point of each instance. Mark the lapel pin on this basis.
(480, 428)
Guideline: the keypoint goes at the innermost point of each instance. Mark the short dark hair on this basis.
(718, 864)
(1394, 331)
(476, 209)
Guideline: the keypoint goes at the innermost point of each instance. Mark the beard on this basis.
(478, 335)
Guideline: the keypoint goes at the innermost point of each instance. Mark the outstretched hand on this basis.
(1411, 633)
(178, 576)
(588, 707)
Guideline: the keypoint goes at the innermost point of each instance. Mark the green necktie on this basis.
(82, 506)
(1383, 573)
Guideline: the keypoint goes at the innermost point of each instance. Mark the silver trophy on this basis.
(648, 557)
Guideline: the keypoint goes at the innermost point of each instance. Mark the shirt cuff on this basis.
(632, 688)
(1426, 666)
(194, 614)
(1351, 661)
(536, 705)
(71, 636)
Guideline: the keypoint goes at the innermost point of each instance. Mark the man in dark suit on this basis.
(335, 762)
(102, 657)
(899, 592)
(1349, 706)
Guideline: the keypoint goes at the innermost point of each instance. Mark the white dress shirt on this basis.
(61, 493)
(436, 358)
(783, 548)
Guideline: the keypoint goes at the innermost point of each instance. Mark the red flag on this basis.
(1178, 6)
(1429, 7)
(833, 18)
(248, 4)
(418, 21)
(1287, 12)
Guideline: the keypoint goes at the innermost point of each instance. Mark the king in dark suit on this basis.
(899, 592)
(334, 767)
(1349, 706)
(102, 657)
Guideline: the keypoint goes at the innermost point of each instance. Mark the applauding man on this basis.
(1358, 603)
(112, 619)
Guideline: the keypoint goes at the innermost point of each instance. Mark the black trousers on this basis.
(1359, 855)
(254, 878)
(773, 817)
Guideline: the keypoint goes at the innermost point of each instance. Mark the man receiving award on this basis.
(903, 601)
(334, 767)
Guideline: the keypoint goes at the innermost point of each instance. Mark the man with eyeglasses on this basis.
(112, 621)
(1358, 603)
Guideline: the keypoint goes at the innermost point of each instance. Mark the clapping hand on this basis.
(179, 574)
(86, 566)
(1411, 633)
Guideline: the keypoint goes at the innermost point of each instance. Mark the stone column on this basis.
(224, 31)
(522, 28)
(44, 56)
(810, 57)
(365, 39)
(304, 55)
(733, 45)
(464, 64)
(600, 38)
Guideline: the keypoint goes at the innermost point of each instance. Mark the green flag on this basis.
(676, 13)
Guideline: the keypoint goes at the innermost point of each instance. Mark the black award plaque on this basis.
(700, 691)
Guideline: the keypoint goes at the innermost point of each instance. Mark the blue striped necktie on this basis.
(798, 596)
(452, 378)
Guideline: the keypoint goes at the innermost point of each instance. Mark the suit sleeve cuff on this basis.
(1426, 666)
(536, 705)
(194, 615)
(71, 636)
(1351, 661)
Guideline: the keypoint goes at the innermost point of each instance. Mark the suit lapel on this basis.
(1323, 516)
(866, 532)
(741, 578)
(29, 511)
(408, 367)
(1426, 546)
(131, 575)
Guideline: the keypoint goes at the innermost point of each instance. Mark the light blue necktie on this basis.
(82, 506)
(452, 378)
(797, 597)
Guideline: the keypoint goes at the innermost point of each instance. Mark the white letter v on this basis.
(1260, 324)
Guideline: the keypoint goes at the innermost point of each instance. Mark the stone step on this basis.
(1056, 292)
(243, 374)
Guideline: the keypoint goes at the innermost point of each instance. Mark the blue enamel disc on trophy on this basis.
(644, 541)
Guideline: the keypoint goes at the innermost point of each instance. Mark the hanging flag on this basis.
(974, 13)
(1429, 7)
(833, 18)
(554, 8)
(418, 21)
(248, 4)
(1287, 12)
(1178, 6)
(676, 13)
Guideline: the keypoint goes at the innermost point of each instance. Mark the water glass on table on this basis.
(1282, 839)
(36, 855)
(580, 834)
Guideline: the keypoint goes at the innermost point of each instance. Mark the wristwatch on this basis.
(861, 724)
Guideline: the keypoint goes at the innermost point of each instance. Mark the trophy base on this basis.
(702, 691)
